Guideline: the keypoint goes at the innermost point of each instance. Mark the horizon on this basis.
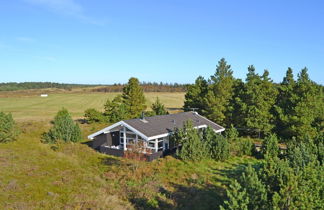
(100, 42)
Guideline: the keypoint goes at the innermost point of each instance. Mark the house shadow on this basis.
(110, 161)
(174, 109)
(185, 197)
(88, 143)
(81, 120)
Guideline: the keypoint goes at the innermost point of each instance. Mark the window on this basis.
(151, 144)
(130, 141)
(160, 144)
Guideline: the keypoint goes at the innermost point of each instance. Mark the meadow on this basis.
(74, 176)
(28, 105)
(34, 175)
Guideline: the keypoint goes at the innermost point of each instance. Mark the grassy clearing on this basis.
(74, 176)
(33, 107)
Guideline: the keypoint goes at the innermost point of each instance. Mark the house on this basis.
(152, 133)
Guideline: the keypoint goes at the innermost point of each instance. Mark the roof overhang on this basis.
(120, 123)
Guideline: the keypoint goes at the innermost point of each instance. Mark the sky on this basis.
(106, 42)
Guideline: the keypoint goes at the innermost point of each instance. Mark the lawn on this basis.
(33, 107)
(73, 176)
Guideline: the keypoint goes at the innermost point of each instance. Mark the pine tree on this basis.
(306, 108)
(300, 107)
(195, 95)
(63, 129)
(116, 109)
(133, 97)
(256, 101)
(192, 146)
(219, 94)
(93, 115)
(270, 146)
(284, 107)
(158, 108)
(237, 198)
(8, 128)
(255, 189)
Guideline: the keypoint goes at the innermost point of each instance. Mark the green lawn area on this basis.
(73, 176)
(33, 107)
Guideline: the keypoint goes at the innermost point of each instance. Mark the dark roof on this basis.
(161, 124)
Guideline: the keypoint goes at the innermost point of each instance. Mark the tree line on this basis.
(146, 86)
(12, 86)
(292, 108)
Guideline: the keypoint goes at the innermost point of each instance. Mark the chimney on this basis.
(142, 116)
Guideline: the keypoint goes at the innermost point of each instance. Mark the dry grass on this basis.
(34, 176)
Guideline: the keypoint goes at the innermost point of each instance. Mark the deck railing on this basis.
(121, 153)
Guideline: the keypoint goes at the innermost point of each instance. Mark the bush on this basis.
(192, 147)
(93, 115)
(63, 129)
(243, 146)
(158, 108)
(237, 198)
(231, 133)
(218, 146)
(8, 128)
(294, 182)
(270, 146)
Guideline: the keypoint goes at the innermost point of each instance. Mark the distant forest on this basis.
(147, 86)
(12, 86)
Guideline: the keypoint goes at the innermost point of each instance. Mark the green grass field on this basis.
(33, 107)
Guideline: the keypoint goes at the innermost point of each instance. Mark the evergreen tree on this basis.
(158, 108)
(63, 129)
(255, 189)
(237, 198)
(256, 101)
(219, 94)
(8, 128)
(195, 95)
(133, 97)
(93, 115)
(192, 147)
(237, 103)
(231, 133)
(300, 107)
(307, 107)
(270, 146)
(284, 107)
(116, 109)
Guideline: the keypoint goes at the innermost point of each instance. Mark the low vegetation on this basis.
(291, 181)
(64, 129)
(74, 176)
(8, 128)
(208, 171)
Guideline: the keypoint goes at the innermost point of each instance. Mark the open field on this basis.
(30, 106)
(73, 176)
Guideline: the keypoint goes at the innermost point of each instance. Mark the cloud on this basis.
(66, 7)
